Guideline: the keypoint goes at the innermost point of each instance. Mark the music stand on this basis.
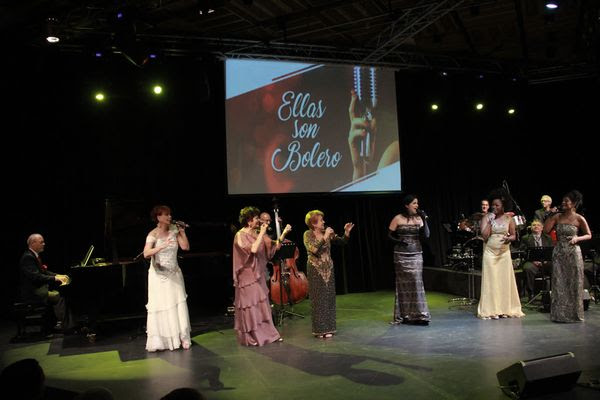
(286, 251)
(543, 254)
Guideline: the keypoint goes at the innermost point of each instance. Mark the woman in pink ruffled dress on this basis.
(251, 251)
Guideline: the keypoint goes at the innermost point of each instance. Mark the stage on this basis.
(456, 357)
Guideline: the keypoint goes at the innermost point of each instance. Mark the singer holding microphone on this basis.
(499, 295)
(567, 260)
(406, 230)
(320, 274)
(168, 321)
(252, 249)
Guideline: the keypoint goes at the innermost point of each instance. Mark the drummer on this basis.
(475, 218)
(535, 268)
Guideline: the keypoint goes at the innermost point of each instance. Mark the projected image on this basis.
(299, 128)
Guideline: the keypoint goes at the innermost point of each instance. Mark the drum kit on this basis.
(467, 243)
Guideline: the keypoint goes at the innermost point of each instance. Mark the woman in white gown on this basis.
(168, 323)
(499, 295)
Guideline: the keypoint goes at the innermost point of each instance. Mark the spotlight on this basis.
(434, 107)
(552, 5)
(52, 30)
(99, 96)
(511, 111)
(157, 89)
(479, 106)
(206, 7)
(443, 73)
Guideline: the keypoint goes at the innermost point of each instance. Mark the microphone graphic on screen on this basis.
(365, 86)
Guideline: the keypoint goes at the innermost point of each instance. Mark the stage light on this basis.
(511, 111)
(52, 35)
(434, 107)
(157, 89)
(99, 96)
(206, 7)
(552, 5)
(443, 73)
(479, 106)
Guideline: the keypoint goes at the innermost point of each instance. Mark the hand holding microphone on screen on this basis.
(361, 137)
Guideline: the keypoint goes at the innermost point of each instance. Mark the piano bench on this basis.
(29, 315)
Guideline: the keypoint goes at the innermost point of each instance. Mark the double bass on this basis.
(288, 285)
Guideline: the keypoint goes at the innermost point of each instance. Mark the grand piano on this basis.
(102, 291)
(115, 289)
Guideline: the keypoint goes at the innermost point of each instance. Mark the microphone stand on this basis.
(284, 276)
(517, 208)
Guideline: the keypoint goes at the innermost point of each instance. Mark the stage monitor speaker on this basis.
(540, 376)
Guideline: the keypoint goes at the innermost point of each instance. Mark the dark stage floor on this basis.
(456, 357)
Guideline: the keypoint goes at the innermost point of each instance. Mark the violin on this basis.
(288, 285)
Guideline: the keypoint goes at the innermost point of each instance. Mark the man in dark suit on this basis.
(534, 268)
(35, 280)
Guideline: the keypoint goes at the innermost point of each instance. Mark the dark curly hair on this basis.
(406, 200)
(502, 195)
(247, 213)
(576, 198)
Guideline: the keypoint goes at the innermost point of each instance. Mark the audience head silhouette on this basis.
(24, 379)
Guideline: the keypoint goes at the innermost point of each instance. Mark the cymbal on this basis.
(477, 215)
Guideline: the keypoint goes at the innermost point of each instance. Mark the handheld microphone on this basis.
(423, 214)
(365, 87)
(180, 223)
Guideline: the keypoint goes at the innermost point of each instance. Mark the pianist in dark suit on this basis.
(35, 280)
(534, 268)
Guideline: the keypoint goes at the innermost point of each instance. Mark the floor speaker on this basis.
(540, 376)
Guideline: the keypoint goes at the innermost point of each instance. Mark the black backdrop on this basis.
(74, 156)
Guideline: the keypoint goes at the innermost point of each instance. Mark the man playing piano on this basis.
(35, 280)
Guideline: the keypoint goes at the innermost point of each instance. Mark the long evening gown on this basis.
(410, 304)
(321, 282)
(567, 277)
(253, 318)
(499, 294)
(168, 322)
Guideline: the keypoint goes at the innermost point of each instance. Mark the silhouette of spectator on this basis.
(24, 379)
(184, 394)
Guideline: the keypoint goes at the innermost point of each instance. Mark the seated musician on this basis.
(475, 218)
(534, 268)
(35, 280)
